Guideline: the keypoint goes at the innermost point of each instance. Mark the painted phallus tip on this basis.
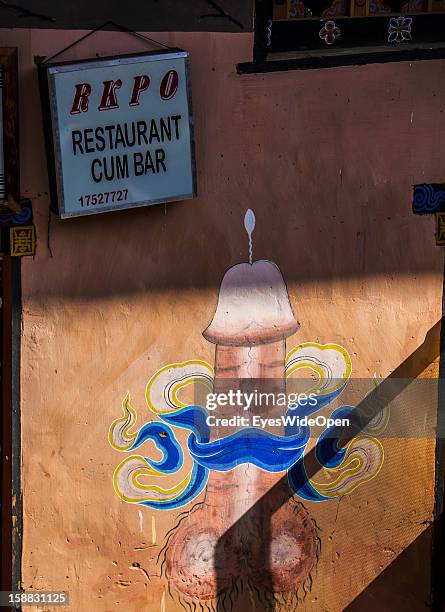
(249, 221)
(253, 307)
(249, 224)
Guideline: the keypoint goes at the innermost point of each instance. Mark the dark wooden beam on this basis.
(355, 57)
(147, 16)
(6, 427)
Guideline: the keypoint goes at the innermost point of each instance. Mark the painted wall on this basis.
(326, 159)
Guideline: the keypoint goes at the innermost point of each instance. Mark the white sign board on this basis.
(121, 132)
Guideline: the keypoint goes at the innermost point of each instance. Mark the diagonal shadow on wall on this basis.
(384, 589)
(398, 586)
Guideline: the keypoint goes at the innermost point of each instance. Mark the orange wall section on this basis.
(326, 159)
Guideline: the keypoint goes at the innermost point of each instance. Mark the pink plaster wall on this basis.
(326, 159)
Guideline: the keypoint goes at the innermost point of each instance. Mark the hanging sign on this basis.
(119, 132)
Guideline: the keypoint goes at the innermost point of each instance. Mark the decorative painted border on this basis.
(428, 198)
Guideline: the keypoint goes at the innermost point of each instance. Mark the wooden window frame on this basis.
(296, 44)
(9, 64)
(10, 338)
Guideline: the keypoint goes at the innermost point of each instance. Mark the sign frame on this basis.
(51, 127)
